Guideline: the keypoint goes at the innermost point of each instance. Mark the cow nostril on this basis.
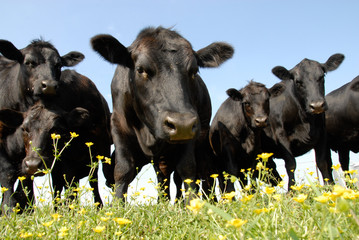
(43, 85)
(169, 124)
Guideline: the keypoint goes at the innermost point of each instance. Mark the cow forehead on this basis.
(308, 68)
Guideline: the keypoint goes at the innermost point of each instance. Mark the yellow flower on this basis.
(259, 165)
(300, 198)
(281, 184)
(264, 155)
(237, 222)
(82, 211)
(297, 188)
(195, 205)
(258, 211)
(198, 182)
(55, 136)
(74, 135)
(277, 197)
(333, 210)
(221, 237)
(229, 196)
(188, 181)
(269, 190)
(247, 198)
(338, 191)
(336, 167)
(214, 176)
(118, 233)
(72, 207)
(108, 160)
(122, 221)
(99, 157)
(21, 178)
(3, 189)
(48, 224)
(89, 144)
(108, 213)
(99, 229)
(56, 216)
(26, 235)
(63, 231)
(351, 171)
(321, 199)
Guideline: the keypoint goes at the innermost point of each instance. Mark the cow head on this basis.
(255, 103)
(41, 64)
(308, 78)
(38, 125)
(163, 78)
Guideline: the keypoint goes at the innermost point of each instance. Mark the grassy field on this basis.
(309, 211)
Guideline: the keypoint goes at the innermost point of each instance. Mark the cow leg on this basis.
(124, 173)
(94, 185)
(7, 180)
(231, 167)
(344, 158)
(324, 160)
(24, 193)
(186, 169)
(274, 177)
(163, 176)
(178, 182)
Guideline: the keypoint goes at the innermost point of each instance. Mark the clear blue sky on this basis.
(264, 33)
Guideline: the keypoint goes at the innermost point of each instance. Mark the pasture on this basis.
(310, 211)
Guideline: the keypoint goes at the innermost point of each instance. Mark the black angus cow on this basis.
(32, 71)
(297, 115)
(342, 121)
(77, 107)
(236, 129)
(26, 74)
(162, 108)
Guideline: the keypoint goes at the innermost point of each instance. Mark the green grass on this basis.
(262, 215)
(309, 211)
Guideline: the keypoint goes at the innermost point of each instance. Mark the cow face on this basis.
(163, 78)
(308, 78)
(255, 103)
(41, 64)
(38, 125)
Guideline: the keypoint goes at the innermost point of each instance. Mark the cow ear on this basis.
(333, 62)
(234, 94)
(11, 118)
(276, 90)
(355, 86)
(78, 117)
(72, 59)
(282, 73)
(214, 54)
(8, 50)
(111, 50)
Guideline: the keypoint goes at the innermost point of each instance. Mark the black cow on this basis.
(236, 129)
(31, 71)
(77, 107)
(25, 75)
(11, 155)
(297, 115)
(342, 122)
(161, 105)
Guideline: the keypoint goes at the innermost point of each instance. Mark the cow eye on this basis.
(31, 63)
(145, 73)
(193, 73)
(299, 84)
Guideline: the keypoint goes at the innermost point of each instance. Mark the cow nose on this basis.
(181, 126)
(261, 121)
(49, 87)
(317, 107)
(31, 165)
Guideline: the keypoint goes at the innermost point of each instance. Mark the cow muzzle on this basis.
(318, 107)
(261, 122)
(31, 165)
(180, 126)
